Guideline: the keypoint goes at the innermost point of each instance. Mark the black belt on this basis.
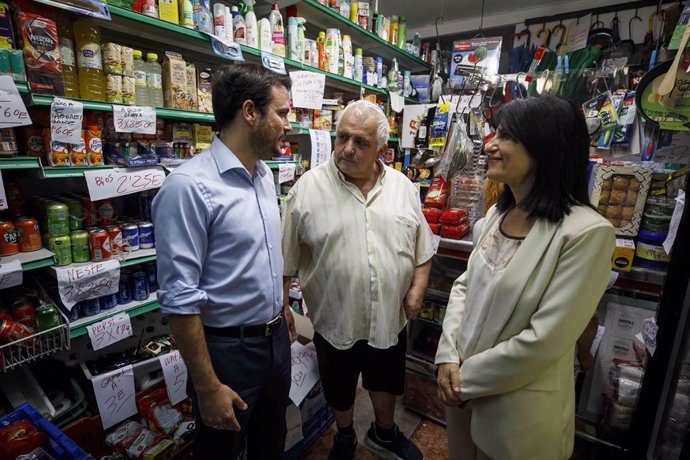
(237, 332)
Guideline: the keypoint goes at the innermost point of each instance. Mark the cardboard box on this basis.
(168, 11)
(191, 85)
(204, 100)
(180, 132)
(623, 255)
(175, 91)
(203, 137)
(6, 32)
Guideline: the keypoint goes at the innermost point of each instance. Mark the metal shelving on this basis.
(78, 327)
(20, 163)
(31, 260)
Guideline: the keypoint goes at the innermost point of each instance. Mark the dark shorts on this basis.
(382, 370)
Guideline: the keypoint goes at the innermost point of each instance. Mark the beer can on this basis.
(11, 331)
(105, 212)
(8, 239)
(80, 246)
(146, 235)
(23, 312)
(140, 286)
(57, 218)
(61, 246)
(47, 317)
(29, 234)
(151, 275)
(115, 235)
(76, 213)
(108, 301)
(130, 237)
(89, 307)
(71, 314)
(100, 244)
(124, 292)
(89, 212)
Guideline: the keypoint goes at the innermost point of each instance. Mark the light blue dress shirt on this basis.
(218, 241)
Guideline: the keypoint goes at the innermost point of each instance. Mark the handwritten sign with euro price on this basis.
(12, 109)
(109, 183)
(286, 172)
(273, 62)
(320, 146)
(115, 395)
(134, 119)
(65, 120)
(87, 281)
(110, 330)
(3, 195)
(175, 374)
(307, 89)
(305, 372)
(11, 274)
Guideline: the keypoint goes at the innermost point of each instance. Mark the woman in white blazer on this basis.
(533, 281)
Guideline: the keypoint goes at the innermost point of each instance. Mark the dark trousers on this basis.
(258, 369)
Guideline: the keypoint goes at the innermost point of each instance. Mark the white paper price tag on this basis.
(109, 183)
(12, 109)
(227, 50)
(65, 120)
(89, 281)
(3, 195)
(110, 330)
(320, 146)
(175, 374)
(305, 372)
(397, 101)
(134, 119)
(115, 395)
(11, 274)
(307, 89)
(577, 40)
(286, 172)
(273, 62)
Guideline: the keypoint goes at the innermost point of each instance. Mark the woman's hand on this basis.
(449, 383)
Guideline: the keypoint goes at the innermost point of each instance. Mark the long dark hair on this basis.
(554, 132)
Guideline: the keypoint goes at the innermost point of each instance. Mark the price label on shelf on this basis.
(115, 395)
(12, 109)
(175, 374)
(307, 89)
(3, 195)
(273, 62)
(88, 281)
(110, 330)
(227, 50)
(109, 183)
(134, 119)
(286, 172)
(65, 120)
(11, 274)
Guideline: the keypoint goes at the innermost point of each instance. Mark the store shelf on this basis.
(52, 172)
(31, 260)
(465, 244)
(22, 87)
(645, 275)
(138, 257)
(20, 163)
(78, 327)
(275, 165)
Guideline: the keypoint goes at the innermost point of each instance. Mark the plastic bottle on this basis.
(251, 24)
(203, 16)
(219, 19)
(87, 36)
(239, 27)
(186, 13)
(348, 57)
(141, 90)
(321, 47)
(277, 31)
(354, 12)
(265, 42)
(358, 70)
(154, 80)
(301, 40)
(332, 50)
(393, 31)
(407, 88)
(393, 77)
(417, 43)
(379, 72)
(229, 31)
(402, 32)
(69, 63)
(292, 38)
(345, 8)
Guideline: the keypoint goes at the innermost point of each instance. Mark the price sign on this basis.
(134, 119)
(286, 172)
(227, 50)
(65, 120)
(12, 109)
(273, 62)
(3, 195)
(305, 372)
(109, 183)
(307, 89)
(10, 274)
(88, 281)
(115, 395)
(175, 374)
(320, 146)
(110, 330)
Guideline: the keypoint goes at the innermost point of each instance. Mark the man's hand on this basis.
(290, 318)
(412, 303)
(449, 383)
(217, 409)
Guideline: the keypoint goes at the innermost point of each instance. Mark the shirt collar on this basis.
(227, 160)
(335, 171)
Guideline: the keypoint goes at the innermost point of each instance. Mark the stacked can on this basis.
(151, 276)
(108, 302)
(8, 238)
(124, 292)
(29, 234)
(89, 307)
(57, 227)
(99, 241)
(130, 237)
(79, 240)
(23, 312)
(140, 286)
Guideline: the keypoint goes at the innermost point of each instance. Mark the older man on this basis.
(355, 234)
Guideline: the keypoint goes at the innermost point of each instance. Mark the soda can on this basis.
(89, 307)
(105, 212)
(115, 236)
(71, 314)
(8, 239)
(57, 218)
(61, 246)
(11, 331)
(130, 237)
(151, 275)
(146, 235)
(100, 244)
(23, 312)
(76, 213)
(29, 234)
(90, 212)
(47, 317)
(5, 314)
(140, 286)
(80, 246)
(124, 292)
(108, 301)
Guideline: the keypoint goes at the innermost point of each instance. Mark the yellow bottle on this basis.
(69, 63)
(87, 36)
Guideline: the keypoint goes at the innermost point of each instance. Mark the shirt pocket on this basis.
(405, 235)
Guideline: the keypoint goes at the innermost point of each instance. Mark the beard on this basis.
(265, 143)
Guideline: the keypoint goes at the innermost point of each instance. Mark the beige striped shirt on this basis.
(355, 256)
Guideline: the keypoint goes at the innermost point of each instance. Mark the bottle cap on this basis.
(152, 57)
(136, 53)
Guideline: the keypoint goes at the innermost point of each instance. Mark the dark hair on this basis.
(554, 132)
(234, 84)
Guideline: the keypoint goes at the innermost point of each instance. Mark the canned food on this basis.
(29, 234)
(130, 237)
(80, 246)
(8, 239)
(151, 275)
(105, 212)
(76, 214)
(146, 236)
(140, 286)
(47, 317)
(89, 307)
(61, 246)
(71, 314)
(115, 236)
(11, 331)
(57, 218)
(23, 312)
(124, 292)
(100, 244)
(108, 302)
(89, 212)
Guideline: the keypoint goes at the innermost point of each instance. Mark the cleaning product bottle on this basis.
(402, 32)
(69, 63)
(379, 72)
(277, 31)
(358, 69)
(87, 36)
(238, 27)
(203, 16)
(265, 42)
(292, 38)
(141, 90)
(301, 41)
(393, 77)
(348, 57)
(345, 8)
(417, 43)
(407, 87)
(154, 80)
(229, 31)
(186, 13)
(332, 50)
(321, 47)
(251, 25)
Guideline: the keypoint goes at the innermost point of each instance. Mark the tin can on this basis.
(146, 235)
(124, 292)
(57, 218)
(89, 307)
(115, 236)
(105, 212)
(130, 237)
(151, 275)
(23, 312)
(100, 244)
(11, 331)
(108, 302)
(80, 246)
(62, 247)
(29, 234)
(47, 317)
(8, 239)
(76, 213)
(140, 286)
(90, 212)
(71, 314)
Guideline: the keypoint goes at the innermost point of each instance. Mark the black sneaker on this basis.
(344, 447)
(400, 448)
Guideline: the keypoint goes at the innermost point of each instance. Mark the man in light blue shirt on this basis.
(220, 270)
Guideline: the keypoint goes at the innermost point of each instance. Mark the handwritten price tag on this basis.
(175, 374)
(305, 372)
(82, 282)
(108, 183)
(134, 119)
(286, 172)
(273, 62)
(115, 395)
(320, 146)
(12, 109)
(11, 274)
(3, 195)
(65, 120)
(110, 330)
(307, 89)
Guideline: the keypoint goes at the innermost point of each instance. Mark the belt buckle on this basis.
(274, 322)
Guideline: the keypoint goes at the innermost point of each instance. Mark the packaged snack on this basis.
(437, 196)
(432, 214)
(456, 232)
(144, 441)
(435, 228)
(191, 86)
(6, 30)
(112, 58)
(175, 82)
(127, 62)
(124, 436)
(128, 90)
(204, 103)
(454, 216)
(113, 89)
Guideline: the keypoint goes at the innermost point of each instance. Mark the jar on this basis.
(650, 251)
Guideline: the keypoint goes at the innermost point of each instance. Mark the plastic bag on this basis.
(458, 150)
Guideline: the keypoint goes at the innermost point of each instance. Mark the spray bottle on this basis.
(277, 31)
(251, 25)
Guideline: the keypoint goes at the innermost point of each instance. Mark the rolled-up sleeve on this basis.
(181, 215)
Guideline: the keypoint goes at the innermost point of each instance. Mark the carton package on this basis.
(623, 255)
(203, 137)
(168, 11)
(175, 92)
(6, 31)
(204, 101)
(191, 85)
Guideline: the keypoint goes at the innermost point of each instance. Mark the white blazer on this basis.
(519, 379)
